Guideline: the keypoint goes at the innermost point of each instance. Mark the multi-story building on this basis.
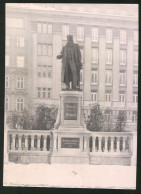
(108, 39)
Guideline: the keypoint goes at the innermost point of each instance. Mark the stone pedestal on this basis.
(70, 137)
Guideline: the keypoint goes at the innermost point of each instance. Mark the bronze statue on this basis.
(71, 64)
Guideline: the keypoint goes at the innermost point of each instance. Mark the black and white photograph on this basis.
(71, 95)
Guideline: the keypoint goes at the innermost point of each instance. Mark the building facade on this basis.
(108, 40)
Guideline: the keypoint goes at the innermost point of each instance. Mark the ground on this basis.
(70, 175)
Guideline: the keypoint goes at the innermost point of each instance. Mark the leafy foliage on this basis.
(96, 119)
(109, 120)
(45, 118)
(22, 120)
(121, 121)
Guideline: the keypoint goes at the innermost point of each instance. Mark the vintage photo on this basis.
(71, 95)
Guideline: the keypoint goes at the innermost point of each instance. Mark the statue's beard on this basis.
(70, 43)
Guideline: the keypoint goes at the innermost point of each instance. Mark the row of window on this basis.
(95, 34)
(108, 78)
(109, 56)
(19, 104)
(122, 98)
(44, 49)
(20, 82)
(44, 93)
(20, 42)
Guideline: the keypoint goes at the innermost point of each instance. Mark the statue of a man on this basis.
(71, 64)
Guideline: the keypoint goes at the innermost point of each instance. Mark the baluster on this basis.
(124, 144)
(55, 142)
(106, 144)
(118, 144)
(85, 143)
(93, 145)
(26, 142)
(112, 144)
(44, 143)
(100, 139)
(130, 141)
(13, 141)
(38, 142)
(32, 142)
(20, 142)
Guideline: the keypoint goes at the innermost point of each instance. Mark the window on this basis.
(42, 49)
(44, 92)
(20, 61)
(122, 79)
(94, 77)
(49, 50)
(136, 58)
(82, 54)
(39, 74)
(94, 55)
(122, 98)
(135, 37)
(20, 82)
(135, 79)
(6, 82)
(108, 80)
(49, 93)
(108, 97)
(122, 37)
(14, 23)
(44, 28)
(7, 40)
(94, 97)
(107, 117)
(109, 35)
(94, 34)
(44, 73)
(20, 41)
(6, 103)
(122, 57)
(80, 33)
(39, 27)
(20, 104)
(65, 31)
(49, 28)
(7, 60)
(49, 73)
(81, 76)
(108, 56)
(134, 116)
(39, 92)
(135, 98)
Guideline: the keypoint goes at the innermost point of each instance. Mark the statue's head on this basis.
(70, 37)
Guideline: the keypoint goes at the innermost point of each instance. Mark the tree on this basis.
(45, 118)
(22, 120)
(96, 119)
(121, 121)
(109, 120)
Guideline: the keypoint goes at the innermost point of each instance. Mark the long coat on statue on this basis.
(76, 58)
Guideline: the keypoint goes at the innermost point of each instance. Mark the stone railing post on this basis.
(124, 144)
(93, 145)
(100, 141)
(54, 142)
(13, 141)
(112, 144)
(44, 142)
(19, 142)
(118, 144)
(106, 144)
(26, 142)
(32, 142)
(38, 142)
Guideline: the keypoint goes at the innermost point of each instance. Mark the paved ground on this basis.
(67, 175)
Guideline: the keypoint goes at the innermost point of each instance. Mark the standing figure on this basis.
(71, 64)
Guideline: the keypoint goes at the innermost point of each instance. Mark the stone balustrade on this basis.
(29, 140)
(110, 142)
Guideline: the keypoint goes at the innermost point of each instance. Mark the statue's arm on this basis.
(61, 54)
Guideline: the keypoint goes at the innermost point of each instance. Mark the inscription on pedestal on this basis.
(70, 142)
(70, 111)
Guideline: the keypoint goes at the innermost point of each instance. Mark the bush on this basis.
(121, 121)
